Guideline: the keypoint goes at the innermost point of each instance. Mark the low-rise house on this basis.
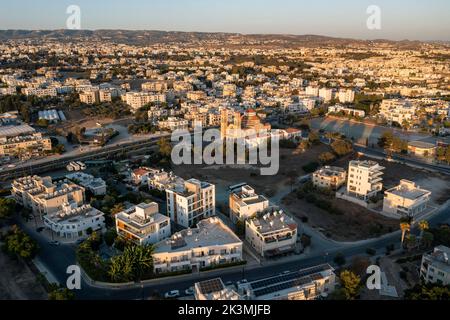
(331, 178)
(75, 222)
(406, 200)
(422, 149)
(306, 284)
(96, 185)
(435, 267)
(271, 234)
(143, 224)
(212, 243)
(214, 289)
(245, 203)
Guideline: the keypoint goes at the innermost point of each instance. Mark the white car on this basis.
(172, 294)
(189, 292)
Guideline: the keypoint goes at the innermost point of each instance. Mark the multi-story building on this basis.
(214, 289)
(245, 204)
(96, 185)
(271, 234)
(40, 92)
(346, 96)
(191, 202)
(406, 200)
(25, 146)
(75, 222)
(397, 110)
(306, 284)
(90, 97)
(143, 224)
(326, 94)
(43, 196)
(364, 179)
(174, 123)
(312, 91)
(212, 243)
(137, 100)
(329, 178)
(229, 90)
(435, 267)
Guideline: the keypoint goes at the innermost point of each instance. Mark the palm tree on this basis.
(406, 228)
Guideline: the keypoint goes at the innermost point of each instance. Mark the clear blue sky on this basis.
(401, 19)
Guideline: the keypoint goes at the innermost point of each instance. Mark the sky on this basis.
(400, 19)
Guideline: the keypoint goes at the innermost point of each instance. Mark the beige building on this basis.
(245, 203)
(422, 149)
(271, 234)
(143, 224)
(191, 202)
(435, 267)
(364, 179)
(90, 97)
(212, 243)
(43, 196)
(25, 146)
(329, 178)
(406, 200)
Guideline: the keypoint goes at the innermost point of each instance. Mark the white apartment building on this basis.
(245, 203)
(326, 94)
(73, 221)
(348, 111)
(214, 289)
(306, 284)
(364, 179)
(96, 185)
(43, 196)
(312, 91)
(191, 202)
(174, 123)
(40, 92)
(211, 243)
(406, 200)
(346, 96)
(331, 178)
(397, 110)
(435, 267)
(143, 224)
(137, 100)
(271, 234)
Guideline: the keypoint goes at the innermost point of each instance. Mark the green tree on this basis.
(326, 157)
(351, 283)
(7, 208)
(57, 293)
(342, 147)
(165, 148)
(18, 243)
(428, 292)
(110, 237)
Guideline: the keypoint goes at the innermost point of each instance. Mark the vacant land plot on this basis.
(17, 282)
(352, 223)
(223, 176)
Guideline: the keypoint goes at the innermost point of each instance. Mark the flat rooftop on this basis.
(272, 222)
(209, 232)
(13, 131)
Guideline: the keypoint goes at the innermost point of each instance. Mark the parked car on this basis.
(172, 294)
(54, 243)
(189, 292)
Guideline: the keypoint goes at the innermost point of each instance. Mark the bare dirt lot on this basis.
(355, 223)
(17, 282)
(291, 163)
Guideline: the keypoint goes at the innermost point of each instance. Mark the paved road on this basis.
(56, 260)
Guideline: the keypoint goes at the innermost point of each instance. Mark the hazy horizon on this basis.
(418, 20)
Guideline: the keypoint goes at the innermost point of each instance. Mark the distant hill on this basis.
(139, 37)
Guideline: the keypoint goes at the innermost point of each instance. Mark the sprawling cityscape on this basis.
(134, 165)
